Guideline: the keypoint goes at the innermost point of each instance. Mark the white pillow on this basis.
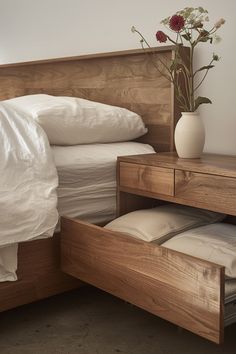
(215, 243)
(72, 121)
(162, 222)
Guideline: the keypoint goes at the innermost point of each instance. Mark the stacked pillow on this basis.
(73, 121)
(161, 223)
(192, 231)
(215, 243)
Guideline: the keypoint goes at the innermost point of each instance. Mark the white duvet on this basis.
(28, 180)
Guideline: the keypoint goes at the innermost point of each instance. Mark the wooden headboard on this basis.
(126, 79)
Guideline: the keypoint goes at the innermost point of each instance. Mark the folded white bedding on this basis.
(8, 262)
(215, 243)
(230, 290)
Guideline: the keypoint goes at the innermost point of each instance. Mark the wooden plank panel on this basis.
(39, 274)
(35, 288)
(127, 79)
(148, 178)
(182, 289)
(209, 191)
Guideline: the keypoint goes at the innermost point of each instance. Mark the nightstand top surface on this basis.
(221, 165)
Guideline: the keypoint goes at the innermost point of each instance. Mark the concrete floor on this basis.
(89, 321)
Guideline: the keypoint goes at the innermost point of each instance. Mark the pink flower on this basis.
(161, 37)
(176, 23)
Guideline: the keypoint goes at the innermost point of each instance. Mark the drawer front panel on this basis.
(147, 178)
(203, 190)
(146, 275)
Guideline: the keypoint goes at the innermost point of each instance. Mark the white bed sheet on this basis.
(87, 178)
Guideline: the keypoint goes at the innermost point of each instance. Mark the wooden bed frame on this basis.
(126, 79)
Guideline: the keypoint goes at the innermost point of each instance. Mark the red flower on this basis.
(161, 37)
(176, 23)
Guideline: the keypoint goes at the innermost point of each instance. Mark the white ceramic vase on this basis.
(189, 135)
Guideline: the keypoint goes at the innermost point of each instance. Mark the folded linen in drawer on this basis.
(215, 243)
(230, 290)
(161, 223)
(230, 302)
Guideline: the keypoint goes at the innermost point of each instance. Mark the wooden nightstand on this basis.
(185, 290)
(209, 182)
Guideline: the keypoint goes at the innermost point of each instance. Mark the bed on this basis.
(126, 79)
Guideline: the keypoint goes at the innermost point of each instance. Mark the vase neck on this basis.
(190, 114)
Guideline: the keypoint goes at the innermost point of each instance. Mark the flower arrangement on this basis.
(189, 28)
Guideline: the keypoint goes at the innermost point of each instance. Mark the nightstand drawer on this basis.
(152, 179)
(217, 193)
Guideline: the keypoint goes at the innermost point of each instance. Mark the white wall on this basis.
(33, 29)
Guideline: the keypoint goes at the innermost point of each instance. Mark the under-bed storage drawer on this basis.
(179, 288)
(147, 178)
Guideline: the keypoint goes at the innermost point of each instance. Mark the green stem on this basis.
(191, 77)
(203, 77)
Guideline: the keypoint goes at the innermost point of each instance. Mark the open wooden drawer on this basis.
(179, 288)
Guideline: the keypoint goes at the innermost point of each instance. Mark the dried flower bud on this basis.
(161, 37)
(219, 23)
(133, 29)
(215, 57)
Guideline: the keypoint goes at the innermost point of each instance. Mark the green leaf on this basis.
(186, 36)
(201, 100)
(173, 65)
(206, 67)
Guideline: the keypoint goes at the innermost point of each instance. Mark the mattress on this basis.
(87, 178)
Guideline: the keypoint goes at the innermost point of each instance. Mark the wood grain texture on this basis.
(213, 192)
(209, 182)
(127, 79)
(149, 178)
(127, 202)
(182, 289)
(39, 274)
(220, 165)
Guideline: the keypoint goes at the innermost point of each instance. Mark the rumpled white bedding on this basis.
(28, 180)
